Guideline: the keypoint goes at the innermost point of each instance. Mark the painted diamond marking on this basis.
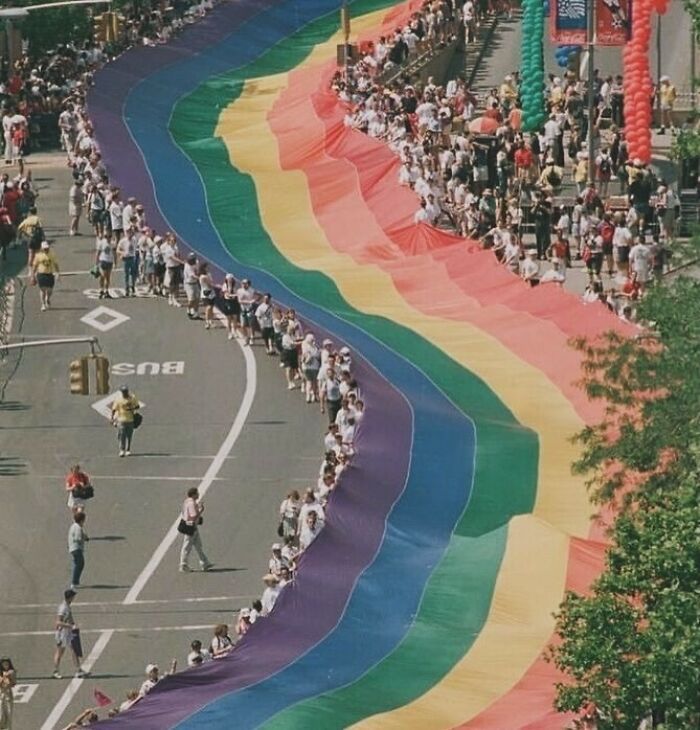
(104, 319)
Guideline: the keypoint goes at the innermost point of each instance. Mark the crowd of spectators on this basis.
(526, 196)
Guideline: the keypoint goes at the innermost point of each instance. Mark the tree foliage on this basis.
(632, 646)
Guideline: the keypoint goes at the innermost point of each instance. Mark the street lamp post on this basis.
(590, 43)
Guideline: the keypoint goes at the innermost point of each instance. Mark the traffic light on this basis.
(79, 383)
(99, 28)
(101, 375)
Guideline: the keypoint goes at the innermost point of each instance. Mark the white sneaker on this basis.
(43, 307)
(176, 304)
(122, 453)
(291, 386)
(185, 569)
(57, 675)
(230, 335)
(127, 453)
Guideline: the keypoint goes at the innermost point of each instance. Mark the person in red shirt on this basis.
(76, 478)
(524, 161)
(494, 112)
(9, 201)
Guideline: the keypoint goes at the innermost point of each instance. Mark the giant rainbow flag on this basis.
(427, 601)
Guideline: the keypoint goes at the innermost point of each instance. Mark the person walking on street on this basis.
(45, 271)
(124, 415)
(77, 537)
(192, 509)
(8, 679)
(31, 230)
(76, 482)
(65, 626)
(76, 199)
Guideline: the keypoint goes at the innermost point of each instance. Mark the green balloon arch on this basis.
(532, 66)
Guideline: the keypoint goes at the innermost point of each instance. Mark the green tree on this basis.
(632, 646)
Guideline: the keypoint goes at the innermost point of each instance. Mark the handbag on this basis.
(184, 529)
(86, 492)
(138, 420)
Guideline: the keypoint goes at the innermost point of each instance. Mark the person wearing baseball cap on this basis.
(45, 272)
(124, 408)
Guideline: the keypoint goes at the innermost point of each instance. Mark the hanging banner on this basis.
(568, 19)
(612, 22)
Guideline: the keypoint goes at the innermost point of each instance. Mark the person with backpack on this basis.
(32, 231)
(7, 232)
(606, 231)
(603, 171)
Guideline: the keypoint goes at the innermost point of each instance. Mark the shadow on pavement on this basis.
(12, 466)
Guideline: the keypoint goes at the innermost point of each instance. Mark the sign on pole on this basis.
(568, 19)
(612, 22)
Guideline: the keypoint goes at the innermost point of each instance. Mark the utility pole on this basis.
(590, 42)
(692, 68)
(345, 22)
(658, 64)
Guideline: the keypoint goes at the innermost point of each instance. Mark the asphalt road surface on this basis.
(216, 415)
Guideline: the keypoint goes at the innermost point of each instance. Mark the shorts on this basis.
(173, 276)
(192, 291)
(607, 249)
(310, 375)
(623, 254)
(290, 358)
(34, 245)
(106, 265)
(247, 317)
(576, 229)
(228, 307)
(74, 210)
(63, 637)
(45, 281)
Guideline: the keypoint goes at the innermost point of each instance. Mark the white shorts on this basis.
(192, 291)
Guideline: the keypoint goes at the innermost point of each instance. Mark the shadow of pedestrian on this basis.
(13, 405)
(12, 466)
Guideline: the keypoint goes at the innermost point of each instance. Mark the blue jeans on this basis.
(78, 565)
(131, 272)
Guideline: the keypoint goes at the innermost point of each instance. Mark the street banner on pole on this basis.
(612, 22)
(568, 20)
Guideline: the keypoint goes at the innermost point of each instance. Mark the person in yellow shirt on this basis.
(124, 409)
(31, 230)
(45, 274)
(667, 97)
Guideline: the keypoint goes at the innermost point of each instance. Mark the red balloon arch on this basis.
(638, 85)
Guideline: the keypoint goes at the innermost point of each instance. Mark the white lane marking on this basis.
(124, 630)
(10, 309)
(208, 479)
(172, 533)
(141, 601)
(102, 457)
(74, 685)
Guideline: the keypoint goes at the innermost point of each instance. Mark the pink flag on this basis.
(102, 699)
